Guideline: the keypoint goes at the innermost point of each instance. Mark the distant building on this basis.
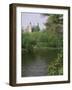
(28, 29)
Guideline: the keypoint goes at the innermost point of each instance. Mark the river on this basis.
(36, 63)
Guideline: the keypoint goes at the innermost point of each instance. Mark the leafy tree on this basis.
(54, 23)
(54, 27)
(36, 28)
(27, 42)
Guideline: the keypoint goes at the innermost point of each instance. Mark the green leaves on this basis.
(56, 67)
(40, 39)
(54, 23)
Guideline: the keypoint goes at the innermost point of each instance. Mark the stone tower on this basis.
(30, 27)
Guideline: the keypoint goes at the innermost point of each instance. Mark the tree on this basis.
(54, 27)
(54, 23)
(36, 28)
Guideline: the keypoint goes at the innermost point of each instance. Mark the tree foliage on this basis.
(54, 23)
(36, 28)
(56, 66)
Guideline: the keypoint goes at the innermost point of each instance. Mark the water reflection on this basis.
(36, 63)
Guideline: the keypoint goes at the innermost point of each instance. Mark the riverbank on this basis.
(42, 48)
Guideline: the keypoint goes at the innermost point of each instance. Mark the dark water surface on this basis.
(36, 63)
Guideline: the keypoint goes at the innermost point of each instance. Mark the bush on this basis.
(56, 67)
(40, 39)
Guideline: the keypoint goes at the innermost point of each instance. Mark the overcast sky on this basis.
(34, 18)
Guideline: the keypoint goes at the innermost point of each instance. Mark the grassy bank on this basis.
(41, 40)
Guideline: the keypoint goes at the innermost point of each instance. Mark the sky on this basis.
(34, 19)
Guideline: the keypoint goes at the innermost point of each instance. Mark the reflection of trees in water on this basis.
(46, 60)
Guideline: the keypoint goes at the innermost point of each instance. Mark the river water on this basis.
(36, 63)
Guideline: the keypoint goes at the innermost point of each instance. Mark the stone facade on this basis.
(28, 29)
